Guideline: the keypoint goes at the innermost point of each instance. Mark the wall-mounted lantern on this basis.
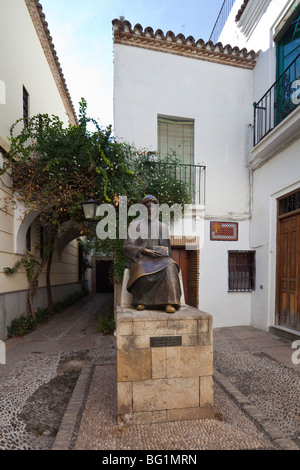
(89, 208)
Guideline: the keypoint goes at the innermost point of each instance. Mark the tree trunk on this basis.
(33, 285)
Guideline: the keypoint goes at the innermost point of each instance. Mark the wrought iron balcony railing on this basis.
(278, 102)
(221, 20)
(193, 177)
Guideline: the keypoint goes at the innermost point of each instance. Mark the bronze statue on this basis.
(154, 275)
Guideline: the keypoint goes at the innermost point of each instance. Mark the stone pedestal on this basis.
(164, 365)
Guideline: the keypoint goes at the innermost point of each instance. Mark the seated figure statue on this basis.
(154, 275)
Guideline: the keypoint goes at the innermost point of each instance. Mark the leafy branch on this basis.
(30, 265)
(54, 168)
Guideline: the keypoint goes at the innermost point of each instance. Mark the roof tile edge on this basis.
(241, 10)
(188, 47)
(41, 26)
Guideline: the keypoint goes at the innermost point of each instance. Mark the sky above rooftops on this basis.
(82, 36)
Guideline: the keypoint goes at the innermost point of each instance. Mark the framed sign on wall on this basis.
(224, 231)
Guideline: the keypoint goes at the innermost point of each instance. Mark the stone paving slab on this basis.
(73, 413)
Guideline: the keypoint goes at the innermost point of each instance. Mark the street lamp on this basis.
(89, 208)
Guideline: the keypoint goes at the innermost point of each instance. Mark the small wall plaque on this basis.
(224, 231)
(165, 341)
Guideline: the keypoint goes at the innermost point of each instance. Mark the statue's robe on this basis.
(153, 282)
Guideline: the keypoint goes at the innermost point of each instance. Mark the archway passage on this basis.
(103, 282)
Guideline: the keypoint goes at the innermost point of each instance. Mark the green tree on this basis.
(54, 168)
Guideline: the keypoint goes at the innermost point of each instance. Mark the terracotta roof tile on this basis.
(241, 10)
(41, 26)
(188, 47)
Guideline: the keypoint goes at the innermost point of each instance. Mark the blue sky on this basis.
(82, 36)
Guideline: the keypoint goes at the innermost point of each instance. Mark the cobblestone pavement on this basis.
(41, 371)
(259, 365)
(58, 391)
(249, 400)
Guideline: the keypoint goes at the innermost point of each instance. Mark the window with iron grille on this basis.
(241, 271)
(289, 203)
(25, 106)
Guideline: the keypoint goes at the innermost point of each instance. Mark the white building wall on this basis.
(255, 31)
(148, 84)
(219, 99)
(274, 179)
(273, 176)
(227, 308)
(252, 30)
(23, 62)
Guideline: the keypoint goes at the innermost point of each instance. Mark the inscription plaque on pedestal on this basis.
(165, 341)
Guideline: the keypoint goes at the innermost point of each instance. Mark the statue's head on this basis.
(151, 204)
(149, 198)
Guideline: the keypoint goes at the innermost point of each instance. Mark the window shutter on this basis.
(176, 135)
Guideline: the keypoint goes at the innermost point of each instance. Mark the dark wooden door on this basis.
(180, 255)
(103, 283)
(288, 272)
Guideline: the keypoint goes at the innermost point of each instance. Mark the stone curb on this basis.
(276, 435)
(72, 414)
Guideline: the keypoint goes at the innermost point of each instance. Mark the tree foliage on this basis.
(54, 168)
(162, 177)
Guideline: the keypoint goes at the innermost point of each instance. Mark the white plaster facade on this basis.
(243, 183)
(274, 162)
(216, 96)
(27, 59)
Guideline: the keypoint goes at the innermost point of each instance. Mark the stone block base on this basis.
(164, 365)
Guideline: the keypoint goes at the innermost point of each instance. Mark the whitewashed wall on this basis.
(275, 161)
(23, 63)
(277, 177)
(255, 31)
(219, 99)
(149, 83)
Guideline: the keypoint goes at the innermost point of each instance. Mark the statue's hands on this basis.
(152, 253)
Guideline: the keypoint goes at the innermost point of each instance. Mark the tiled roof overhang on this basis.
(241, 10)
(179, 45)
(41, 26)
